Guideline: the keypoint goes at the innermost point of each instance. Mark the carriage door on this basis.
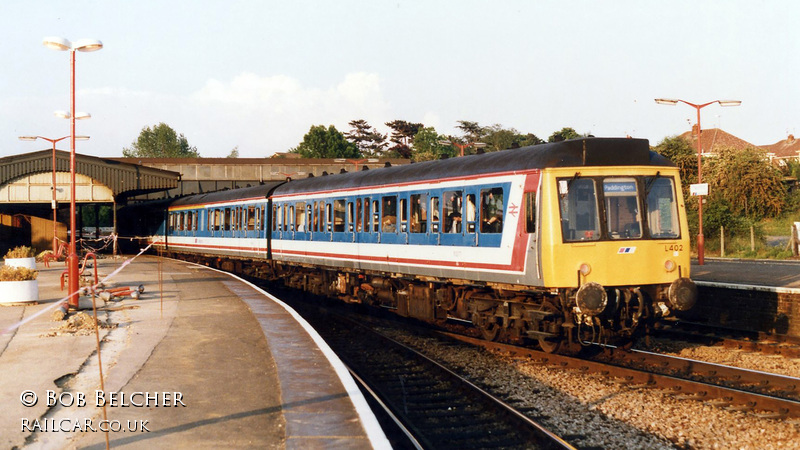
(364, 221)
(301, 216)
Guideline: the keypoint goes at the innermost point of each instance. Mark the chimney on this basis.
(790, 139)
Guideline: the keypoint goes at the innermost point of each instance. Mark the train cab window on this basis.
(452, 211)
(419, 213)
(376, 216)
(578, 205)
(492, 210)
(338, 216)
(662, 208)
(530, 212)
(389, 214)
(434, 214)
(622, 208)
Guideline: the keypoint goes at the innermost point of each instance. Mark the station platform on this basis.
(776, 274)
(206, 361)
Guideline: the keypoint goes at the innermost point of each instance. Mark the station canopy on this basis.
(28, 178)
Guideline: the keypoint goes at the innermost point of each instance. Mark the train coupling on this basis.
(682, 294)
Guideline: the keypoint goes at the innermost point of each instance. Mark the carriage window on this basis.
(251, 218)
(321, 216)
(419, 213)
(622, 208)
(227, 219)
(171, 224)
(452, 212)
(217, 219)
(315, 223)
(366, 215)
(662, 208)
(358, 214)
(578, 204)
(434, 214)
(190, 220)
(338, 216)
(376, 218)
(274, 217)
(403, 210)
(300, 218)
(530, 212)
(389, 214)
(470, 212)
(328, 217)
(492, 210)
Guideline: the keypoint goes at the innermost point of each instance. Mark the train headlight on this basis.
(682, 294)
(591, 298)
(669, 265)
(585, 269)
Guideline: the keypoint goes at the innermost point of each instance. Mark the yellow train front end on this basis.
(617, 247)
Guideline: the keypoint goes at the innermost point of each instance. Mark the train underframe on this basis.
(552, 317)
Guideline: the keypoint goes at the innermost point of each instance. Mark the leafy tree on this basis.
(498, 138)
(681, 152)
(472, 131)
(564, 134)
(234, 152)
(321, 142)
(747, 181)
(368, 140)
(403, 137)
(160, 142)
(427, 146)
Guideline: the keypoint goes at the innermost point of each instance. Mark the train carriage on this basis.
(565, 242)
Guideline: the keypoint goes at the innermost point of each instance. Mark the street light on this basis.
(53, 141)
(463, 146)
(82, 45)
(356, 162)
(701, 241)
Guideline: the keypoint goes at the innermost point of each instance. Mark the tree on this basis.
(681, 152)
(403, 137)
(160, 142)
(564, 134)
(472, 131)
(321, 142)
(368, 140)
(427, 146)
(747, 181)
(234, 152)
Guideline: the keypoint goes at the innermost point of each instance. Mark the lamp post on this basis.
(461, 147)
(668, 101)
(82, 45)
(55, 209)
(356, 162)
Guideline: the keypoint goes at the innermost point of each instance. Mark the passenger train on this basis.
(571, 242)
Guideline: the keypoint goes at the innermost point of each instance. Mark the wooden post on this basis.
(722, 242)
(794, 242)
(752, 239)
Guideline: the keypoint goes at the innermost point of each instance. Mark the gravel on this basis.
(592, 411)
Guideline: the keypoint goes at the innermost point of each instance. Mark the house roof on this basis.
(787, 148)
(715, 138)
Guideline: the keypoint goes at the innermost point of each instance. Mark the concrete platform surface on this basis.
(207, 361)
(768, 273)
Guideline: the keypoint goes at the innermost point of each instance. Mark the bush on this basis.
(8, 273)
(21, 252)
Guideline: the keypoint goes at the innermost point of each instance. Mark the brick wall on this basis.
(771, 311)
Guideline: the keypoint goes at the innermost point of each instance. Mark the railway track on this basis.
(763, 394)
(752, 341)
(437, 407)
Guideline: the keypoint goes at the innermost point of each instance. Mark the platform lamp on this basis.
(668, 101)
(82, 45)
(54, 205)
(461, 147)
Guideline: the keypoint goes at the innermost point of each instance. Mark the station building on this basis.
(35, 188)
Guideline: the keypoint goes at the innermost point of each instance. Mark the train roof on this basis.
(571, 153)
(259, 191)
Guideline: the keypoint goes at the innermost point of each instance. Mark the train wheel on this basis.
(550, 345)
(490, 329)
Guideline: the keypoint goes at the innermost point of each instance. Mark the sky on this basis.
(257, 74)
